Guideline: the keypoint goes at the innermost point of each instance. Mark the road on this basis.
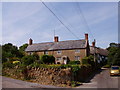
(14, 83)
(100, 80)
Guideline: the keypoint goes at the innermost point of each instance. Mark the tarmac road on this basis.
(103, 80)
(100, 80)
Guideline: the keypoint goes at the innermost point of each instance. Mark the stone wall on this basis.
(49, 76)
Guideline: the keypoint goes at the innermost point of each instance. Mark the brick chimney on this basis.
(93, 43)
(86, 36)
(30, 41)
(56, 39)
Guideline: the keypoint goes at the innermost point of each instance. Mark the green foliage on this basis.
(44, 59)
(65, 66)
(27, 60)
(14, 59)
(88, 61)
(114, 54)
(74, 62)
(8, 64)
(36, 56)
(52, 59)
(47, 59)
(75, 68)
(9, 51)
(85, 60)
(75, 83)
(23, 47)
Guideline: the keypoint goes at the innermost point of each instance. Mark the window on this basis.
(77, 51)
(46, 52)
(30, 53)
(58, 58)
(59, 52)
(77, 57)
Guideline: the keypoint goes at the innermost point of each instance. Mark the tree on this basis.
(9, 51)
(23, 47)
(114, 54)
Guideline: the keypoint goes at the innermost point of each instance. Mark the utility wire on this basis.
(58, 19)
(80, 11)
(63, 18)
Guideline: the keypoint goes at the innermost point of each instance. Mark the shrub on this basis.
(74, 62)
(14, 59)
(85, 60)
(47, 59)
(36, 56)
(75, 68)
(8, 64)
(26, 60)
(52, 59)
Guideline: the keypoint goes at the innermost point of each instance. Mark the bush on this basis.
(85, 60)
(47, 59)
(74, 62)
(36, 56)
(14, 59)
(27, 60)
(52, 59)
(8, 64)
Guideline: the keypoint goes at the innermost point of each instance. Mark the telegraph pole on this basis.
(94, 52)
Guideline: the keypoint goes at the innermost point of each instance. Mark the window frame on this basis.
(59, 52)
(45, 52)
(77, 58)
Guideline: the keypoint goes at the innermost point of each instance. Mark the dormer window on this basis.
(77, 51)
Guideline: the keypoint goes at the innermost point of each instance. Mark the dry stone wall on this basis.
(48, 76)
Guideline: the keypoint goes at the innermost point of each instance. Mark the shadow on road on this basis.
(88, 80)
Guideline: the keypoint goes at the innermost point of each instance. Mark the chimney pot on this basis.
(56, 39)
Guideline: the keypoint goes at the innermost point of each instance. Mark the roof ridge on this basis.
(58, 42)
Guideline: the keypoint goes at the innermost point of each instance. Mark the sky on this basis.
(24, 20)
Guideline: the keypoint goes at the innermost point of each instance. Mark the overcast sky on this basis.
(21, 21)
